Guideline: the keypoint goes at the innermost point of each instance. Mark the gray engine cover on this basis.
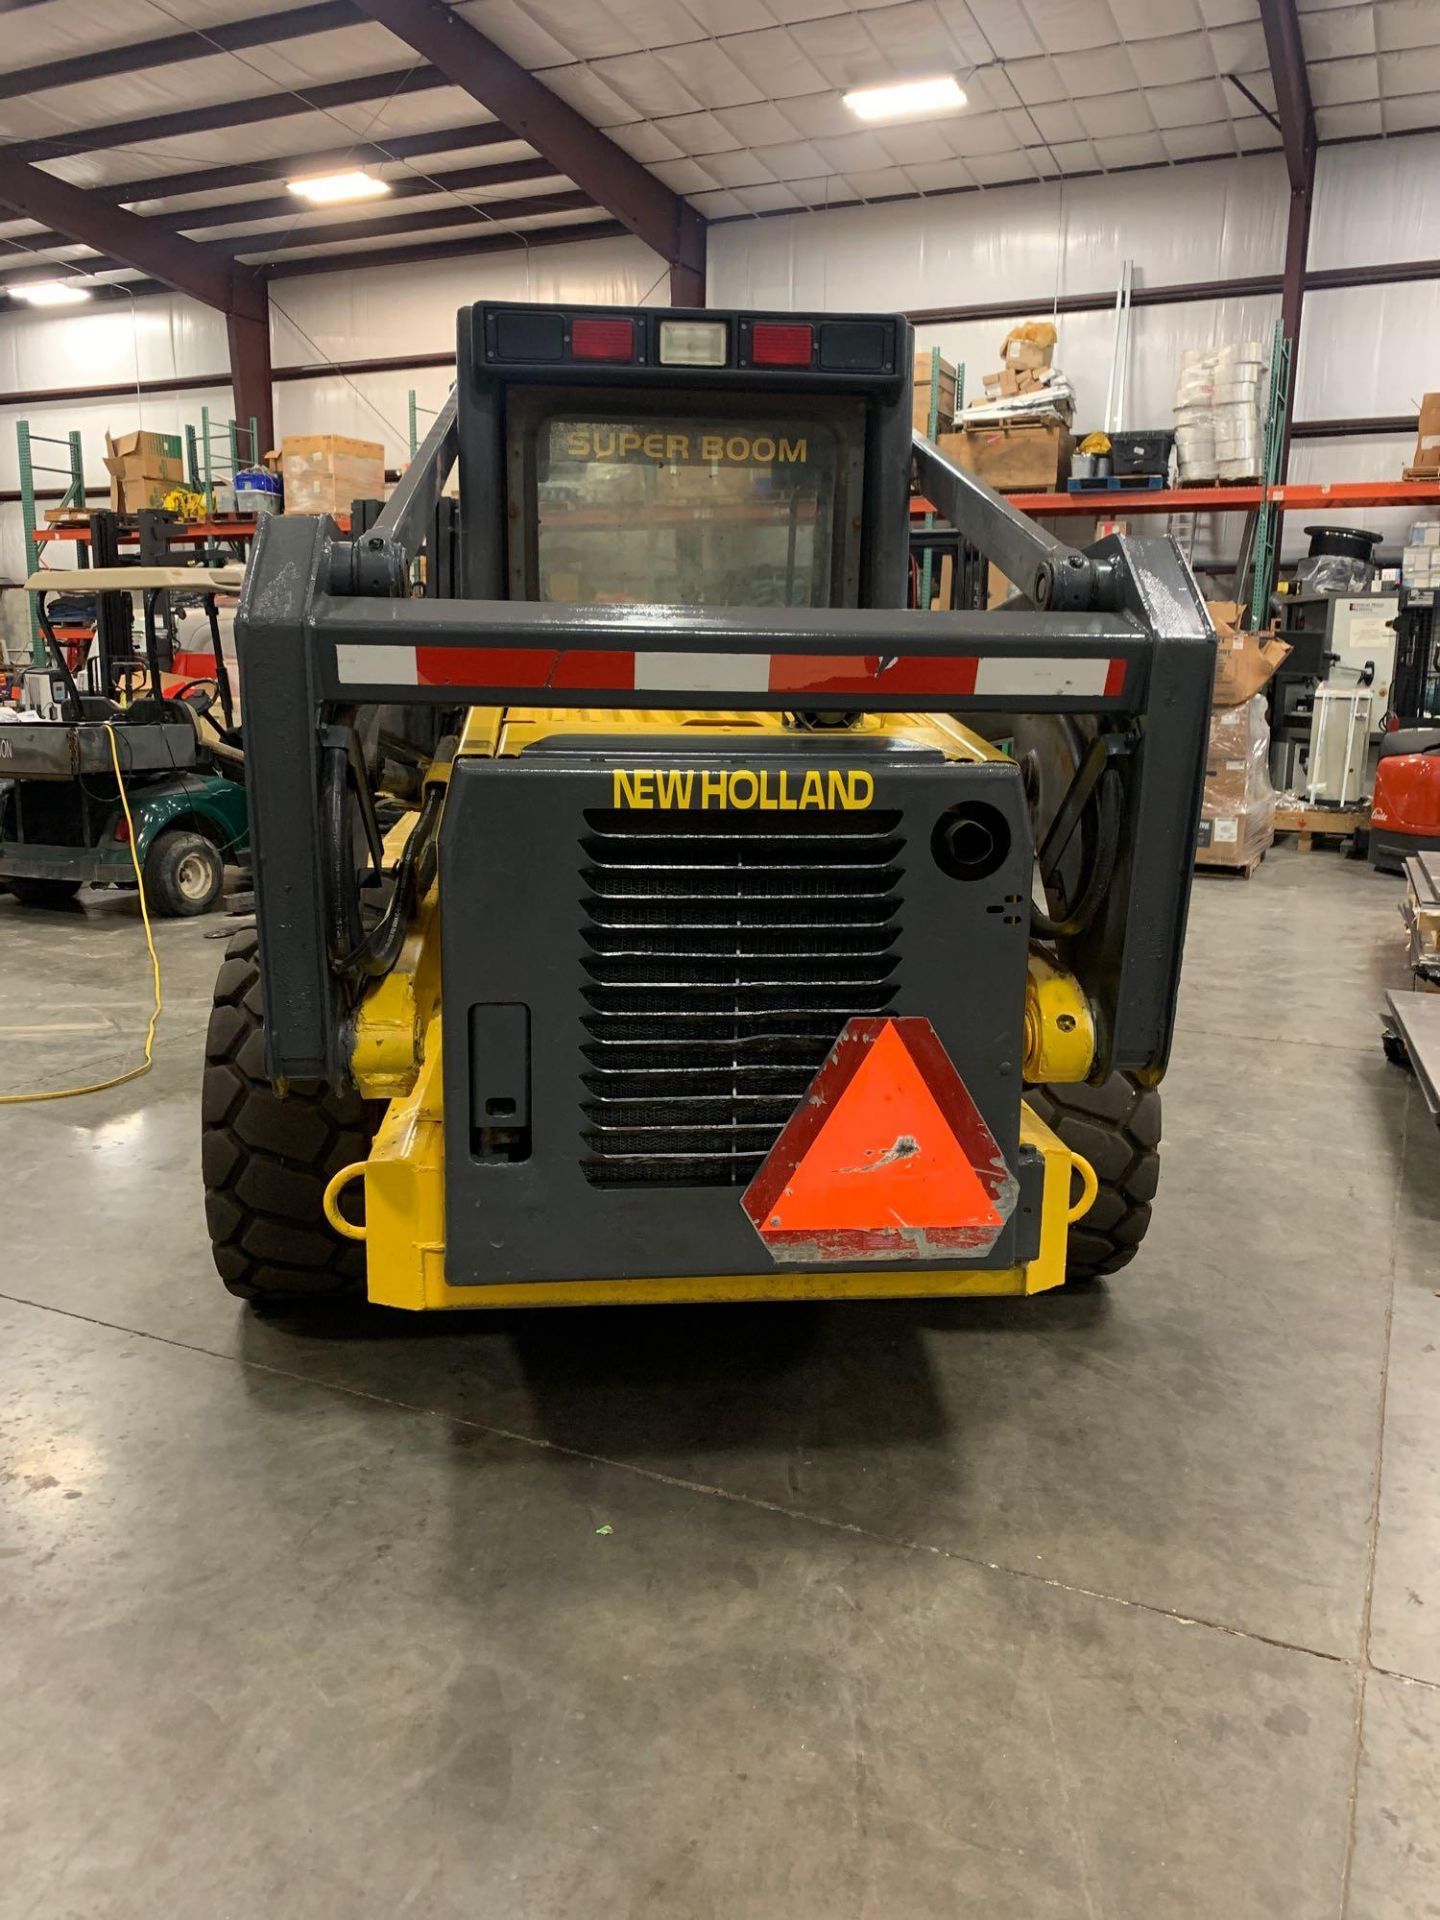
(520, 981)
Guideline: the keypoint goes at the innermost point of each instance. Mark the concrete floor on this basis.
(1123, 1605)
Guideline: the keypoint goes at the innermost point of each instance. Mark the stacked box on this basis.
(325, 472)
(1237, 819)
(1420, 560)
(944, 395)
(1426, 464)
(143, 469)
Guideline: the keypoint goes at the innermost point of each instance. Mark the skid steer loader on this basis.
(648, 906)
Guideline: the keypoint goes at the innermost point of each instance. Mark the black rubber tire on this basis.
(33, 892)
(174, 856)
(266, 1161)
(1117, 1127)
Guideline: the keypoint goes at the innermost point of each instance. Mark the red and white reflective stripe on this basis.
(539, 670)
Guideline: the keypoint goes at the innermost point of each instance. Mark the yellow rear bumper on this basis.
(404, 1233)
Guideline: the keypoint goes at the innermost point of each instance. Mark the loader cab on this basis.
(674, 458)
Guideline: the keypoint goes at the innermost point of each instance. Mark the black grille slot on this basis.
(724, 954)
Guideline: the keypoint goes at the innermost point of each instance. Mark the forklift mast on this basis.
(785, 449)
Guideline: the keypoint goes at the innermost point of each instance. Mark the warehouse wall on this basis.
(1364, 350)
(377, 312)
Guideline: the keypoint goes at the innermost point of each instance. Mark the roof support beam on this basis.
(266, 246)
(227, 113)
(295, 166)
(168, 50)
(409, 187)
(445, 249)
(251, 377)
(130, 240)
(155, 249)
(662, 219)
(235, 213)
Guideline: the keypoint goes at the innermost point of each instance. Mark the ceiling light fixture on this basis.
(907, 97)
(50, 293)
(325, 189)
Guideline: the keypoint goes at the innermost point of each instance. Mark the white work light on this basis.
(692, 343)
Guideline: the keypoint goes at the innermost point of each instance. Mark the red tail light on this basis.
(122, 831)
(774, 344)
(592, 339)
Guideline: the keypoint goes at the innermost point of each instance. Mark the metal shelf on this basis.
(1342, 495)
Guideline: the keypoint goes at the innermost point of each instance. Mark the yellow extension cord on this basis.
(131, 1073)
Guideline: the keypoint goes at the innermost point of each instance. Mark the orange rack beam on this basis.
(1341, 495)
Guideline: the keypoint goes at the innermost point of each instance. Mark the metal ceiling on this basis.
(646, 112)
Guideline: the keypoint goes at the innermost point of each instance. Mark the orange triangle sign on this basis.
(887, 1157)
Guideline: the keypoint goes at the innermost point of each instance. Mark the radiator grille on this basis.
(725, 953)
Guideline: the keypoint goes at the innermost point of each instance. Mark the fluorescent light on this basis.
(326, 188)
(942, 95)
(50, 293)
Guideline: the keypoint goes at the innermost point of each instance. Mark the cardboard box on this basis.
(1237, 816)
(1029, 346)
(1244, 662)
(1426, 463)
(944, 395)
(326, 472)
(143, 467)
(1030, 456)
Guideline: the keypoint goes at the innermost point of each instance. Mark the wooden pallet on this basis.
(1241, 870)
(1321, 823)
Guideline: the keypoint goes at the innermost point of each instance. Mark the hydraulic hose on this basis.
(1106, 810)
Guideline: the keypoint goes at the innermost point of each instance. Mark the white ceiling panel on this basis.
(1405, 23)
(940, 176)
(1195, 143)
(757, 126)
(647, 140)
(1058, 122)
(1154, 19)
(919, 141)
(696, 133)
(738, 168)
(1117, 116)
(1412, 113)
(1198, 103)
(1417, 71)
(516, 30)
(1360, 121)
(719, 205)
(1071, 26)
(1037, 81)
(1006, 28)
(1338, 32)
(1333, 83)
(711, 75)
(775, 62)
(646, 84)
(1175, 58)
(1130, 150)
(1106, 70)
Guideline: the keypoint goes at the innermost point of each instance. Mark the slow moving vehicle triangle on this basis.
(886, 1157)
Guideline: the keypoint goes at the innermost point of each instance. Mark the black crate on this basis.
(1141, 452)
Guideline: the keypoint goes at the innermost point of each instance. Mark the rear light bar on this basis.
(524, 337)
(781, 344)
